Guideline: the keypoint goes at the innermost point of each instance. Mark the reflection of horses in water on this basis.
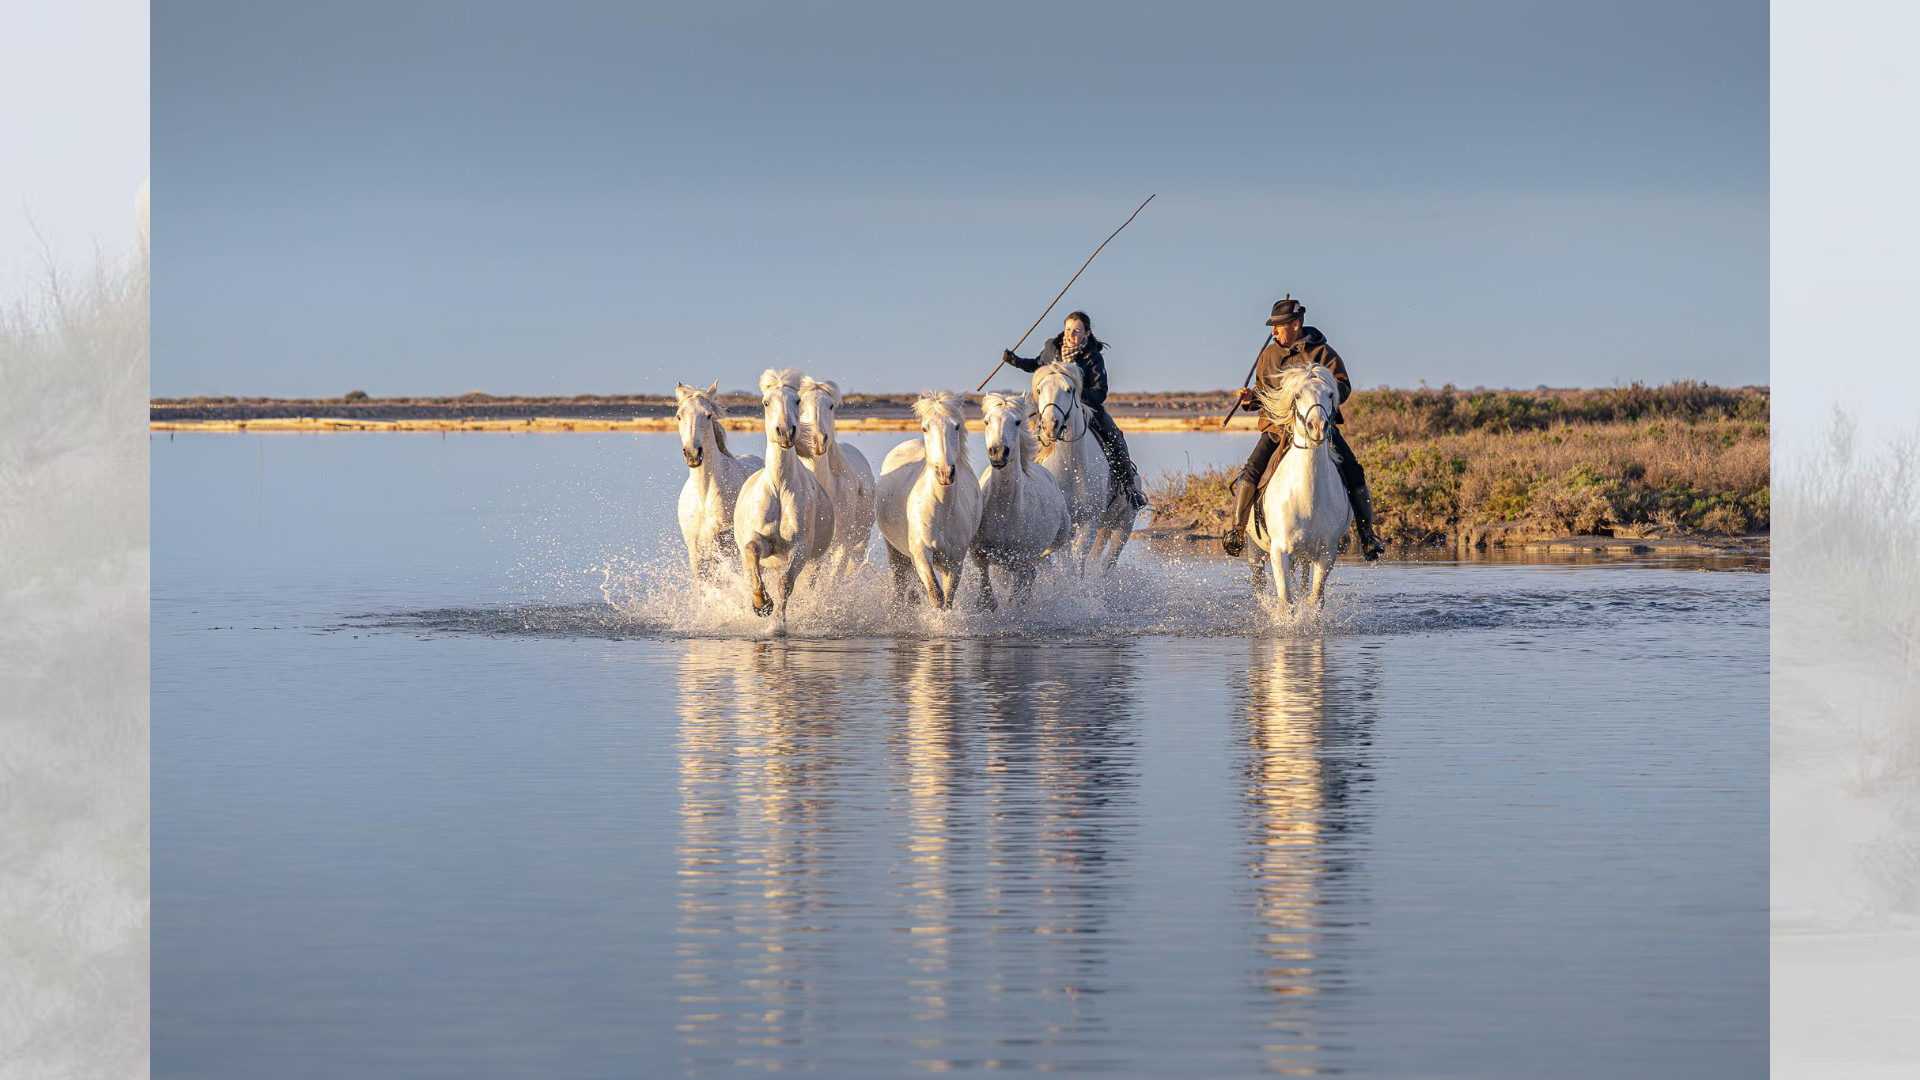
(1307, 742)
(831, 797)
(760, 781)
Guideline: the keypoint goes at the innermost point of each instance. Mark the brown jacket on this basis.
(1312, 348)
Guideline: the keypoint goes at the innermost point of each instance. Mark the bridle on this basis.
(1300, 421)
(1066, 417)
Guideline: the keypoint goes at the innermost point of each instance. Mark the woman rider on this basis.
(1076, 344)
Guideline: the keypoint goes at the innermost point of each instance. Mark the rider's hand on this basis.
(1006, 356)
(1246, 398)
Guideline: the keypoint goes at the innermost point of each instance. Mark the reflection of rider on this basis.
(1294, 344)
(1076, 344)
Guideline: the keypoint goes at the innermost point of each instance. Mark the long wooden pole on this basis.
(1063, 292)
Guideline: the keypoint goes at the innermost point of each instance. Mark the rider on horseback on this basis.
(1076, 344)
(1293, 343)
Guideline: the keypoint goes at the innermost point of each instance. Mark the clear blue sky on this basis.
(566, 198)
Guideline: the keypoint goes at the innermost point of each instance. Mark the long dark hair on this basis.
(1086, 321)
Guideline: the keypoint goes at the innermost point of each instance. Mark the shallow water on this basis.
(456, 775)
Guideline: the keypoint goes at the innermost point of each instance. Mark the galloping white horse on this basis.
(1102, 517)
(843, 473)
(713, 479)
(1305, 512)
(783, 521)
(929, 501)
(1023, 515)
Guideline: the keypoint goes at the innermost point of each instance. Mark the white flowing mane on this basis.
(771, 378)
(1278, 404)
(1029, 445)
(1069, 372)
(945, 406)
(809, 384)
(714, 409)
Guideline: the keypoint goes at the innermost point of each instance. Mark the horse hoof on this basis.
(763, 610)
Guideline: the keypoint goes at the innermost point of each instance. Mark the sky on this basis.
(433, 198)
(73, 137)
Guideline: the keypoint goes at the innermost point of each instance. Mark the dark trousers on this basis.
(1111, 440)
(1351, 474)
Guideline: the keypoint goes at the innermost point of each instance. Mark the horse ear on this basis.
(712, 387)
(680, 392)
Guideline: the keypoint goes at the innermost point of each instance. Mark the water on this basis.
(456, 776)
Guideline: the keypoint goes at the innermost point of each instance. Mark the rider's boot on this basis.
(1127, 479)
(1235, 541)
(1370, 545)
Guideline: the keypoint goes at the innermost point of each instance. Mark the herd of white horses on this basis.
(805, 514)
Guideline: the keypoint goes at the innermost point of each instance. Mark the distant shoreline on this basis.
(1135, 411)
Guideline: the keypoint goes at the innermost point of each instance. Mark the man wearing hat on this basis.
(1294, 344)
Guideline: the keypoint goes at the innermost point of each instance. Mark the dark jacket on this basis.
(1312, 348)
(1093, 369)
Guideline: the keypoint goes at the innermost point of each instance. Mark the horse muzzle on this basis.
(783, 438)
(943, 474)
(819, 444)
(998, 457)
(694, 457)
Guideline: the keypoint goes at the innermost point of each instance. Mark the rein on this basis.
(1293, 432)
(1066, 417)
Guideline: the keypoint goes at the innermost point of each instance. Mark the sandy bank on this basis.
(904, 422)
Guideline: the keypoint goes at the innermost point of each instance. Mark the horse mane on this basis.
(1029, 447)
(808, 384)
(1071, 372)
(944, 405)
(773, 377)
(1278, 403)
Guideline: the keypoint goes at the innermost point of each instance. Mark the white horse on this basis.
(1023, 515)
(714, 477)
(1305, 511)
(783, 521)
(929, 501)
(843, 473)
(1102, 516)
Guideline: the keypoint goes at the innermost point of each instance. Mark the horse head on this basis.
(780, 405)
(1008, 438)
(1303, 403)
(1056, 397)
(943, 428)
(696, 411)
(819, 401)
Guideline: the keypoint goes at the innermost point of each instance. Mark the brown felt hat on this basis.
(1287, 310)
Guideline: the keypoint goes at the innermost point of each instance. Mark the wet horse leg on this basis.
(988, 602)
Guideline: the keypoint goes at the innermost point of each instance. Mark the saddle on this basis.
(1257, 518)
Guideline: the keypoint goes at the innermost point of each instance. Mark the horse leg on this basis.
(756, 589)
(1023, 581)
(1317, 593)
(988, 602)
(903, 575)
(789, 577)
(1283, 576)
(929, 578)
(1262, 581)
(1081, 543)
(949, 578)
(1117, 539)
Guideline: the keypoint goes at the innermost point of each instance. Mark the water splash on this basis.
(1147, 594)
